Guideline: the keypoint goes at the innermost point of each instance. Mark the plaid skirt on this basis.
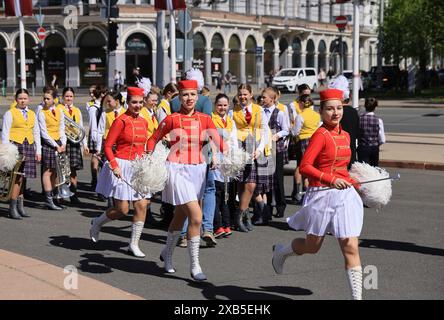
(29, 166)
(304, 145)
(92, 146)
(48, 155)
(74, 151)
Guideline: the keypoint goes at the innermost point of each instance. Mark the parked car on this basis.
(289, 79)
(441, 76)
(390, 76)
(364, 78)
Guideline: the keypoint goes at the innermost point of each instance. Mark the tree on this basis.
(412, 29)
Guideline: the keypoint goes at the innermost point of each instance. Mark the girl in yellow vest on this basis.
(252, 133)
(227, 130)
(52, 131)
(74, 150)
(20, 127)
(148, 112)
(111, 103)
(164, 109)
(307, 122)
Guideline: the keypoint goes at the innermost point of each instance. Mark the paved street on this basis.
(404, 242)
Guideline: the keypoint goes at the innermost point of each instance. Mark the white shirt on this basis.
(281, 120)
(92, 112)
(44, 132)
(6, 128)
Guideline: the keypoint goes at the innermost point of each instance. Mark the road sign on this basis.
(185, 23)
(341, 22)
(41, 33)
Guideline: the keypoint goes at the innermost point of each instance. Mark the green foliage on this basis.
(412, 28)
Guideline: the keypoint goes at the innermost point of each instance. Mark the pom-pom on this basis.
(145, 84)
(149, 172)
(233, 163)
(196, 74)
(9, 155)
(374, 194)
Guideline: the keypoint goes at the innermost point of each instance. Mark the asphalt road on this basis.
(404, 244)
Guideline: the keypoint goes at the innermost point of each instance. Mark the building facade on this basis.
(249, 38)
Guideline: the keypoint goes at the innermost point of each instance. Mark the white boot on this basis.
(355, 281)
(167, 253)
(96, 224)
(280, 253)
(193, 250)
(136, 232)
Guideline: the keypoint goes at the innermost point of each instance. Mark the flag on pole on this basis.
(170, 5)
(18, 8)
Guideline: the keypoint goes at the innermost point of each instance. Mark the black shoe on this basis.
(101, 198)
(13, 212)
(74, 200)
(280, 211)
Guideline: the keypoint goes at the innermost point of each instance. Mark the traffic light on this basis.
(112, 36)
(38, 52)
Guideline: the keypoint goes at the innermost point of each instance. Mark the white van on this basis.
(289, 79)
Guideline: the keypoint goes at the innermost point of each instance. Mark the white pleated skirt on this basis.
(337, 211)
(109, 186)
(186, 183)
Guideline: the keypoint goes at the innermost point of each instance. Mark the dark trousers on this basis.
(369, 155)
(278, 183)
(222, 212)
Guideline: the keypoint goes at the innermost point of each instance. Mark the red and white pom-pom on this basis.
(149, 172)
(233, 163)
(145, 84)
(9, 155)
(375, 194)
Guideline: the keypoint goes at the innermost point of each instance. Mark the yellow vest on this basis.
(281, 107)
(52, 123)
(109, 119)
(75, 113)
(297, 107)
(13, 104)
(165, 106)
(21, 128)
(152, 125)
(311, 123)
(217, 120)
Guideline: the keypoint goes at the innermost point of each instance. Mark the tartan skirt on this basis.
(264, 178)
(304, 145)
(74, 151)
(92, 146)
(29, 166)
(48, 155)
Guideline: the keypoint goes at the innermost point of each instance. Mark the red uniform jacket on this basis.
(327, 157)
(187, 135)
(130, 136)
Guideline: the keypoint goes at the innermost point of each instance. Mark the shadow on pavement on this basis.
(79, 244)
(400, 246)
(231, 292)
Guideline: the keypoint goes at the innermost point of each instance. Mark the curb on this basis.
(412, 165)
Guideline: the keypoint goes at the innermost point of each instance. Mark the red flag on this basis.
(170, 5)
(18, 8)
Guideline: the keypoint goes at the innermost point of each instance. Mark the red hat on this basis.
(188, 85)
(331, 94)
(134, 91)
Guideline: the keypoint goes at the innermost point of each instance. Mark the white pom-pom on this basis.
(375, 194)
(233, 163)
(196, 74)
(9, 155)
(149, 172)
(145, 84)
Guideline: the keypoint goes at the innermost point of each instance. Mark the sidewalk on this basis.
(24, 278)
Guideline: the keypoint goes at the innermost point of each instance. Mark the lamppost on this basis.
(380, 43)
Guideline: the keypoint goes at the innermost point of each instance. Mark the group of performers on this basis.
(261, 130)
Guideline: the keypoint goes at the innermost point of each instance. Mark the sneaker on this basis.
(278, 259)
(219, 232)
(182, 242)
(209, 239)
(227, 232)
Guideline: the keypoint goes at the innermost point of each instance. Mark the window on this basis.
(310, 72)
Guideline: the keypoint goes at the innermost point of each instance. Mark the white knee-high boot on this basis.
(355, 281)
(193, 250)
(167, 253)
(96, 224)
(280, 253)
(136, 232)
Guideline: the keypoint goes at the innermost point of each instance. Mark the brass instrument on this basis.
(74, 132)
(63, 170)
(7, 180)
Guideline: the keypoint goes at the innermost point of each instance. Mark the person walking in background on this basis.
(227, 81)
(21, 128)
(338, 210)
(371, 134)
(322, 77)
